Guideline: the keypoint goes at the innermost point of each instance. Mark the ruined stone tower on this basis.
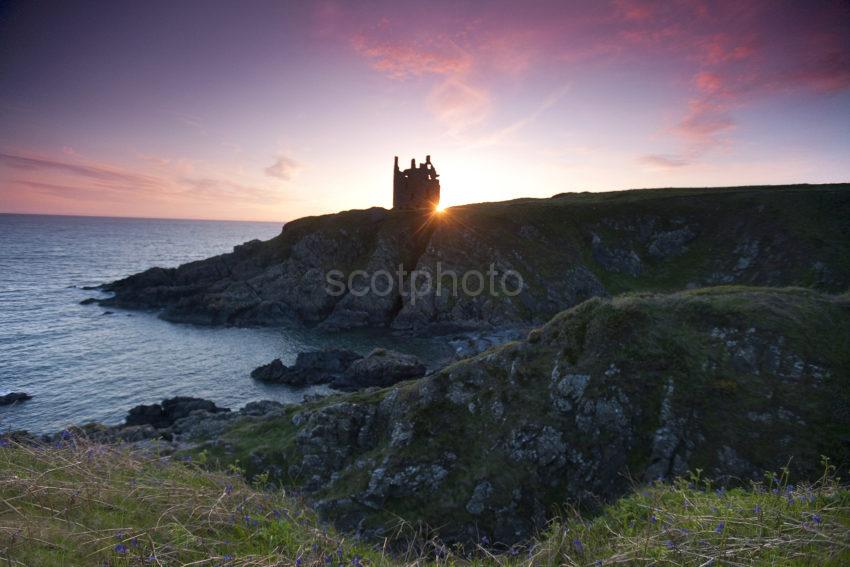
(417, 187)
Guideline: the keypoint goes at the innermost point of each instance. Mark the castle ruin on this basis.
(417, 187)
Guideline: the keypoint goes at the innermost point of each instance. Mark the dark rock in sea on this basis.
(107, 313)
(343, 369)
(164, 415)
(14, 398)
(381, 368)
(89, 301)
(310, 368)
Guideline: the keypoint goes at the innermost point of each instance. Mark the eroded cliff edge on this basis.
(734, 381)
(567, 248)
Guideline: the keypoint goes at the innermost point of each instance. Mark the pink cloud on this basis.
(404, 59)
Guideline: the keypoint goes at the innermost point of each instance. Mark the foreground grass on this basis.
(84, 504)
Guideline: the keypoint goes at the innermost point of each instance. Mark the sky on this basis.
(258, 110)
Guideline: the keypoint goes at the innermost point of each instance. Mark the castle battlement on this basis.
(417, 187)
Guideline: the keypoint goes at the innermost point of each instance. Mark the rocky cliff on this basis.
(730, 380)
(567, 249)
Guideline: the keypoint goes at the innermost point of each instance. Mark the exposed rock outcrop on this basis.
(310, 368)
(566, 249)
(14, 398)
(343, 369)
(734, 381)
(164, 414)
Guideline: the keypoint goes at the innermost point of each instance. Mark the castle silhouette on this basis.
(417, 187)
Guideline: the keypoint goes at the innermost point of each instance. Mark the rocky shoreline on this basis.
(567, 249)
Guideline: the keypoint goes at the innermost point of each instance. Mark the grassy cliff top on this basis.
(82, 504)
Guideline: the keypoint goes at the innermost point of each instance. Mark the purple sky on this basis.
(275, 110)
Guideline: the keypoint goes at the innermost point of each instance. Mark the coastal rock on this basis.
(635, 387)
(164, 414)
(14, 398)
(565, 249)
(381, 368)
(310, 368)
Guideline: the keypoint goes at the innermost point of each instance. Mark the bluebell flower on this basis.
(134, 541)
(817, 519)
(485, 540)
(653, 519)
(120, 549)
(669, 544)
(297, 562)
(579, 547)
(720, 527)
(757, 509)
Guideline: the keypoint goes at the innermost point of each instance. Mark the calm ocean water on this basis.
(81, 364)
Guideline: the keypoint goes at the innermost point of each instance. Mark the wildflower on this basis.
(339, 551)
(597, 563)
(328, 559)
(816, 518)
(669, 544)
(514, 551)
(228, 488)
(579, 547)
(65, 435)
(757, 509)
(721, 492)
(120, 549)
(720, 527)
(134, 541)
(276, 514)
(4, 443)
(315, 547)
(297, 562)
(485, 540)
(653, 519)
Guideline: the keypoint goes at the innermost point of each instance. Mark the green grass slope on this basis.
(81, 505)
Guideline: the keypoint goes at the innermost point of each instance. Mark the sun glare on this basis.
(439, 208)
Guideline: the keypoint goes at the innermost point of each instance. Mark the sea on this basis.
(86, 363)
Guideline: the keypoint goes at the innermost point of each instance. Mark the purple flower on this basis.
(653, 519)
(485, 540)
(757, 509)
(579, 547)
(720, 527)
(669, 544)
(134, 541)
(4, 443)
(816, 518)
(120, 549)
(298, 562)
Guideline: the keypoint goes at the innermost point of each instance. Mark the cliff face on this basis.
(567, 249)
(733, 381)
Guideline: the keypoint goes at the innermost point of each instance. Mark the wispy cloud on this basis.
(90, 171)
(283, 168)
